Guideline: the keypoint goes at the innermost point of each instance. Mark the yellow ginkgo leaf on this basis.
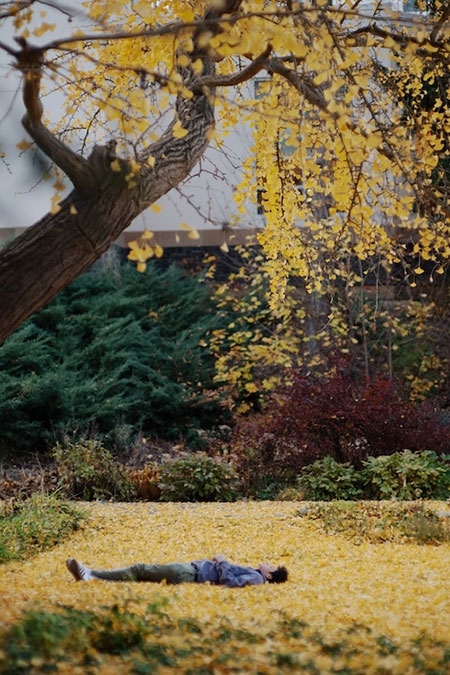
(184, 60)
(55, 208)
(24, 145)
(44, 28)
(197, 66)
(59, 185)
(178, 130)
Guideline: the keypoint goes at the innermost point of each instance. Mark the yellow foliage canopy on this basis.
(347, 103)
(342, 147)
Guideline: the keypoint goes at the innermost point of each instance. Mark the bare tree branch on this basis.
(302, 83)
(256, 65)
(30, 62)
(440, 47)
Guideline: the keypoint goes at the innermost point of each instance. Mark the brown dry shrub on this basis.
(145, 481)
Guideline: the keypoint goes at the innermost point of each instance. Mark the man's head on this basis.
(273, 574)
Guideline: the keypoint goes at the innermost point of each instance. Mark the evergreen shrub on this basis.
(198, 478)
(116, 353)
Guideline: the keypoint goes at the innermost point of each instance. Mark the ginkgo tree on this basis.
(338, 163)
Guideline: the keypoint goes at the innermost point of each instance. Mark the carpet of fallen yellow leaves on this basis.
(397, 590)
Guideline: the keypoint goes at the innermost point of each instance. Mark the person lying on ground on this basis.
(217, 571)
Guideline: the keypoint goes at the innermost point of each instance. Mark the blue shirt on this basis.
(227, 574)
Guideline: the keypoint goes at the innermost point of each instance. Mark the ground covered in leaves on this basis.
(352, 604)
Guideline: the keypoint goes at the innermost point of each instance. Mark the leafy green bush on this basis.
(116, 353)
(408, 475)
(198, 478)
(88, 471)
(35, 524)
(327, 479)
(402, 475)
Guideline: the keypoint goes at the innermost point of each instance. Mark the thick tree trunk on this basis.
(55, 250)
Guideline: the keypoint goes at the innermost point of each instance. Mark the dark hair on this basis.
(279, 576)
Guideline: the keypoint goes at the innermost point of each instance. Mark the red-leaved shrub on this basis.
(346, 417)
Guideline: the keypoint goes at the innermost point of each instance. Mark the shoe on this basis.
(78, 570)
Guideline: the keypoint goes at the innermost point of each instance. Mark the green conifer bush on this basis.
(117, 349)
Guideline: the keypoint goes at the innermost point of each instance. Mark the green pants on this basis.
(173, 573)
